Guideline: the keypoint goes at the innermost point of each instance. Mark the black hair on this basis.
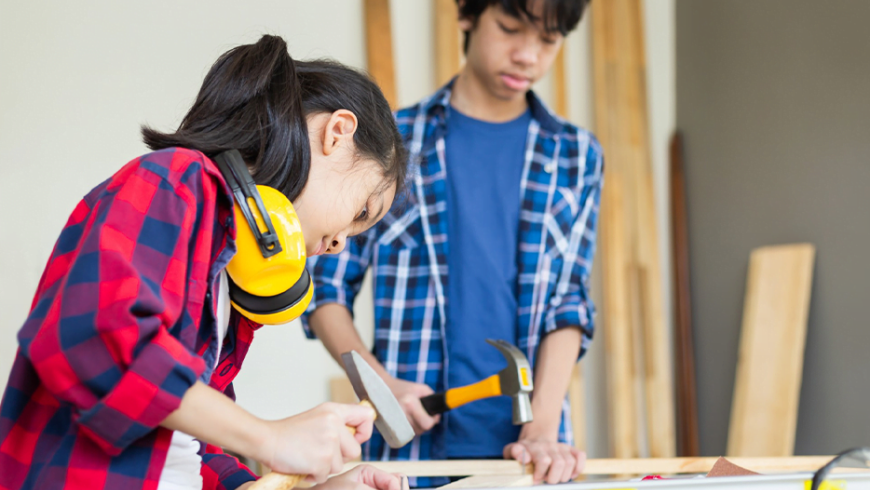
(560, 16)
(255, 99)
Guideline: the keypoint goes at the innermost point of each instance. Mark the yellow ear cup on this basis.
(270, 290)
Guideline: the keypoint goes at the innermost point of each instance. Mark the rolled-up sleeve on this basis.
(338, 278)
(571, 304)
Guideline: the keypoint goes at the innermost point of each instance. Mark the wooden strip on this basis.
(448, 53)
(577, 398)
(634, 466)
(687, 399)
(341, 391)
(770, 365)
(379, 47)
(631, 277)
(492, 481)
(560, 84)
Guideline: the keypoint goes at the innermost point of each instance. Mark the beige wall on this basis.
(77, 80)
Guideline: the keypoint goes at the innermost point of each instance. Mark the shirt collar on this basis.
(436, 106)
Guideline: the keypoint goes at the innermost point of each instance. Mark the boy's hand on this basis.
(554, 462)
(365, 477)
(409, 395)
(317, 442)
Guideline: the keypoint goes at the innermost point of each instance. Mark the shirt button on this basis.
(556, 301)
(550, 167)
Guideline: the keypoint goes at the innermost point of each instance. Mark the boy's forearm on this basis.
(333, 325)
(556, 358)
(210, 416)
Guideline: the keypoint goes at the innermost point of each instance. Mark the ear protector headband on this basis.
(268, 280)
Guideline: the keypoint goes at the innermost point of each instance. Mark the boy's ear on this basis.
(339, 130)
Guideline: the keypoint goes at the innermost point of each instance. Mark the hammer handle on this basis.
(280, 481)
(456, 397)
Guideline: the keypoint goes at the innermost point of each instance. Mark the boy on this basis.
(495, 240)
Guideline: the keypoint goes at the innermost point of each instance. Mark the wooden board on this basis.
(379, 47)
(560, 84)
(634, 466)
(492, 481)
(770, 363)
(631, 278)
(577, 398)
(341, 391)
(687, 399)
(448, 50)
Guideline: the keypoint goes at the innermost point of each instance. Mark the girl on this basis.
(127, 356)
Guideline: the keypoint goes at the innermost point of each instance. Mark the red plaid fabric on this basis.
(122, 324)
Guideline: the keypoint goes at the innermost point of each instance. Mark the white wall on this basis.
(77, 80)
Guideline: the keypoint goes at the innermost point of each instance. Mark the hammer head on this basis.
(515, 380)
(368, 386)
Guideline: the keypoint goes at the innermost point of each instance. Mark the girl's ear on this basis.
(339, 130)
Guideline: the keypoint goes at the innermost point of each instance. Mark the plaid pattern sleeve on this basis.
(116, 330)
(570, 305)
(220, 471)
(338, 278)
(98, 336)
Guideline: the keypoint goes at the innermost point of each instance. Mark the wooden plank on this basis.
(770, 365)
(631, 277)
(492, 481)
(633, 466)
(341, 391)
(577, 398)
(379, 47)
(448, 51)
(560, 84)
(687, 399)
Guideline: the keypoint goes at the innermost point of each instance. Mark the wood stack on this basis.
(634, 325)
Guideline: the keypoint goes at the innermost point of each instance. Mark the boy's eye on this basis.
(548, 39)
(507, 29)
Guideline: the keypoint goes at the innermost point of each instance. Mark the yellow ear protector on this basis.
(268, 280)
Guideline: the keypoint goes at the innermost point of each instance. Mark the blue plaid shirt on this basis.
(560, 192)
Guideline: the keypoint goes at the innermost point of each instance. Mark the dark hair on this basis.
(255, 99)
(558, 16)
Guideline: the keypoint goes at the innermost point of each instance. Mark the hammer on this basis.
(390, 420)
(515, 381)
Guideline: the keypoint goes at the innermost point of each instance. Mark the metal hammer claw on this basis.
(515, 381)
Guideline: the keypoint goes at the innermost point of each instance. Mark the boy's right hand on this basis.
(317, 442)
(409, 395)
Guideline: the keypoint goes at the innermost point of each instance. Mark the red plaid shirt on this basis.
(121, 326)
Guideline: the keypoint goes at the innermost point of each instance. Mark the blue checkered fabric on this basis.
(407, 251)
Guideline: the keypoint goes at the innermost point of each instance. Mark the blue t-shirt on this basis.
(484, 163)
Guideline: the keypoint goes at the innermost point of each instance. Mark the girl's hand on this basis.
(316, 443)
(365, 477)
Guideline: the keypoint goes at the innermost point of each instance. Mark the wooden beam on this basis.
(379, 47)
(492, 481)
(687, 399)
(560, 84)
(631, 276)
(448, 53)
(770, 365)
(577, 397)
(634, 466)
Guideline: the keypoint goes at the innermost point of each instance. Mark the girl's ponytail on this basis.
(255, 98)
